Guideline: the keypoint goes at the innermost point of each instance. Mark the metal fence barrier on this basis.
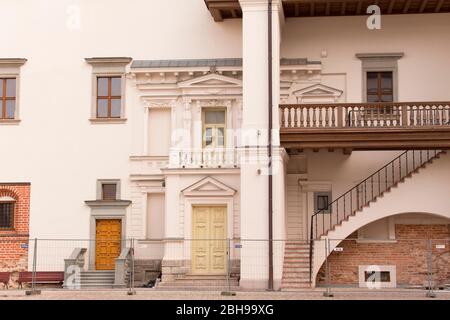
(225, 265)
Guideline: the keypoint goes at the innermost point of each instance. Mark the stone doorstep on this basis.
(172, 263)
(197, 284)
(199, 288)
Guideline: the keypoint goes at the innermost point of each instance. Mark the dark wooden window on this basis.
(380, 87)
(322, 202)
(109, 97)
(7, 98)
(109, 191)
(7, 215)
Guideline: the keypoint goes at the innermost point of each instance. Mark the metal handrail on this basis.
(422, 157)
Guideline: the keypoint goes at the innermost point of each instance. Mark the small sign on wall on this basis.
(338, 249)
(440, 246)
(238, 246)
(24, 246)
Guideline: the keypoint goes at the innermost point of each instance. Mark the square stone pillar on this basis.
(254, 138)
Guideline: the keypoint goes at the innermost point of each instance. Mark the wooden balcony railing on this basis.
(421, 120)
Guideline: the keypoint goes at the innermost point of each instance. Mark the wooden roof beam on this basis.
(216, 14)
(391, 6)
(343, 8)
(423, 6)
(406, 7)
(439, 6)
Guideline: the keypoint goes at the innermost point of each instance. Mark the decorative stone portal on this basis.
(208, 254)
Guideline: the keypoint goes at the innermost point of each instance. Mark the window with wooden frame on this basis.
(214, 125)
(380, 87)
(109, 191)
(109, 96)
(7, 98)
(7, 215)
(322, 201)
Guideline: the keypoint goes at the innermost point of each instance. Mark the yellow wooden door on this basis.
(209, 244)
(107, 246)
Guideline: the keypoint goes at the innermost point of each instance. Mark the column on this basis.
(173, 243)
(254, 180)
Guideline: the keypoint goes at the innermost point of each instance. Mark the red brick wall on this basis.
(408, 254)
(14, 243)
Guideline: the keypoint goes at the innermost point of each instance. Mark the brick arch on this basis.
(410, 237)
(336, 238)
(412, 195)
(10, 192)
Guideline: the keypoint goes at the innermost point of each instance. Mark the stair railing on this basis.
(365, 192)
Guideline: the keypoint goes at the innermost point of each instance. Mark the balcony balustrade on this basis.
(366, 125)
(204, 158)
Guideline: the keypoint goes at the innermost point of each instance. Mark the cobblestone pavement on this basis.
(151, 294)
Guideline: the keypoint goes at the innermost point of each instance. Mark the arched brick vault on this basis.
(427, 191)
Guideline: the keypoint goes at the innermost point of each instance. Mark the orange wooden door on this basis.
(107, 246)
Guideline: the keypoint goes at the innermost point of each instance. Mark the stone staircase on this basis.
(296, 266)
(200, 283)
(393, 194)
(96, 279)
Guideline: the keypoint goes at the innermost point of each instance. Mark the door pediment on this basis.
(208, 186)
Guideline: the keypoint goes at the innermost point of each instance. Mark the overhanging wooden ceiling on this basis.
(230, 9)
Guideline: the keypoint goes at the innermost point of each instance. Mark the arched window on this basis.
(7, 206)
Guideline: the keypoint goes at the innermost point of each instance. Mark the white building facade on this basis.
(149, 121)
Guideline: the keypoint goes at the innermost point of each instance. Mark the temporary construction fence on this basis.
(225, 265)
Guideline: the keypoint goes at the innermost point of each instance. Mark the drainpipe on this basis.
(269, 151)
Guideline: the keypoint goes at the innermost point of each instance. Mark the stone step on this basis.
(296, 256)
(288, 288)
(97, 276)
(198, 288)
(204, 277)
(96, 286)
(297, 247)
(298, 281)
(288, 250)
(91, 273)
(295, 276)
(300, 262)
(187, 282)
(95, 281)
(295, 270)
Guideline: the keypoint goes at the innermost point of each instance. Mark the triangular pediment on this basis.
(211, 80)
(318, 90)
(208, 186)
